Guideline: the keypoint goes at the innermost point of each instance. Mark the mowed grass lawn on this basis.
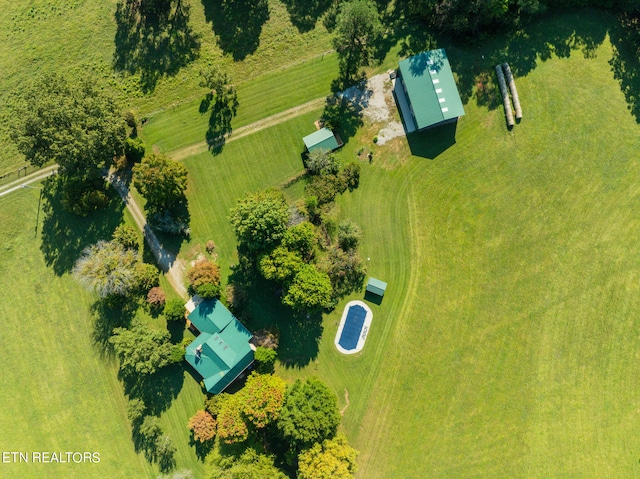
(508, 342)
(59, 391)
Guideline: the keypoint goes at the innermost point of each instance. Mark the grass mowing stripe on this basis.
(262, 97)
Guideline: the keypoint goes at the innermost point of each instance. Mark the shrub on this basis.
(350, 175)
(301, 238)
(210, 246)
(130, 119)
(325, 188)
(165, 452)
(165, 222)
(134, 150)
(136, 409)
(174, 310)
(177, 354)
(203, 426)
(322, 162)
(265, 360)
(204, 279)
(147, 276)
(213, 404)
(311, 205)
(231, 425)
(156, 298)
(208, 290)
(349, 235)
(127, 237)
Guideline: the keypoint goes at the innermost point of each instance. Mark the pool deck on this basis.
(363, 332)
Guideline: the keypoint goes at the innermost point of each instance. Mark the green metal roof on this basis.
(225, 352)
(323, 138)
(431, 88)
(210, 316)
(376, 286)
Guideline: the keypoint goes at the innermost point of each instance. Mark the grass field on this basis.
(59, 390)
(75, 36)
(506, 344)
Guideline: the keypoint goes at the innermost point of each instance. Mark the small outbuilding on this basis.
(426, 91)
(375, 286)
(323, 138)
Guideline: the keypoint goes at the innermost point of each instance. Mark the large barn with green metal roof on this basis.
(426, 92)
(222, 350)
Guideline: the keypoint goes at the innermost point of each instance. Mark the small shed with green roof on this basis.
(426, 92)
(376, 286)
(323, 138)
(222, 350)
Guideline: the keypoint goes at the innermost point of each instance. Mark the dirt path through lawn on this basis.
(243, 131)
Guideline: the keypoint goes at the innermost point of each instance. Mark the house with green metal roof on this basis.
(222, 350)
(426, 91)
(323, 138)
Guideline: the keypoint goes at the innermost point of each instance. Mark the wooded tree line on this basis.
(477, 17)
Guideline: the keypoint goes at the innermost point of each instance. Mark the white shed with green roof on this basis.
(323, 138)
(426, 92)
(376, 286)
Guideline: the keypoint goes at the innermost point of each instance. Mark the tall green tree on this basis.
(333, 459)
(358, 28)
(260, 220)
(309, 414)
(263, 398)
(280, 265)
(309, 290)
(161, 181)
(107, 268)
(141, 350)
(74, 123)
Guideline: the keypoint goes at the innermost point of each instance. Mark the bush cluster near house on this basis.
(313, 269)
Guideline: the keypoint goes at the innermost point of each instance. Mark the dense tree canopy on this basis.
(204, 279)
(280, 265)
(260, 220)
(107, 269)
(333, 459)
(263, 398)
(231, 425)
(309, 414)
(203, 426)
(358, 28)
(141, 350)
(75, 124)
(301, 238)
(309, 290)
(161, 181)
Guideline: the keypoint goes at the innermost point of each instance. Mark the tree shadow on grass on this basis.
(157, 390)
(237, 23)
(110, 313)
(625, 63)
(221, 113)
(65, 234)
(343, 115)
(202, 449)
(299, 335)
(153, 39)
(305, 13)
